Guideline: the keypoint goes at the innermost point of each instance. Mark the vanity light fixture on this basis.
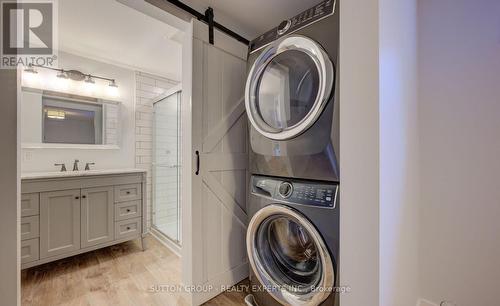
(62, 75)
(113, 89)
(74, 75)
(89, 84)
(89, 80)
(30, 69)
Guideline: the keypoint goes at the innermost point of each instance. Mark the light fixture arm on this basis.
(63, 71)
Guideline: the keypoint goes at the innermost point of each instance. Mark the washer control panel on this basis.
(314, 194)
(296, 191)
(315, 13)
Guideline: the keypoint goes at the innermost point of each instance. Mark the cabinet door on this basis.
(97, 216)
(59, 222)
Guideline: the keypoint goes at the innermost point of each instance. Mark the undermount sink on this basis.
(54, 174)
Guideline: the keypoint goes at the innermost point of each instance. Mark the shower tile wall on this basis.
(111, 129)
(148, 89)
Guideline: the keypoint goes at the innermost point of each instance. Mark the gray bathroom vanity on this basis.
(68, 213)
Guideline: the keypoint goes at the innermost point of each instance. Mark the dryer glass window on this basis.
(289, 254)
(287, 89)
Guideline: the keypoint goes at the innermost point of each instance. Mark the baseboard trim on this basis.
(172, 246)
(424, 302)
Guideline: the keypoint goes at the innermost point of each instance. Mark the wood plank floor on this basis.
(118, 275)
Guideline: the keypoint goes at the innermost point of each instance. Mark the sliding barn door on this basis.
(221, 151)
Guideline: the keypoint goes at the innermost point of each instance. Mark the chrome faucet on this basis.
(63, 167)
(75, 165)
(87, 166)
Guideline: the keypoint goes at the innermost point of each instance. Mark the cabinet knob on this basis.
(128, 192)
(84, 197)
(76, 198)
(128, 228)
(128, 210)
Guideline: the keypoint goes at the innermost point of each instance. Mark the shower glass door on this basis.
(166, 167)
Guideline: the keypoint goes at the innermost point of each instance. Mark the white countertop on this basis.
(42, 175)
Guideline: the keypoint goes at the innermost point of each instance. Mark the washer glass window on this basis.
(289, 256)
(289, 253)
(287, 89)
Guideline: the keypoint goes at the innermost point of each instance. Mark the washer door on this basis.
(289, 257)
(288, 87)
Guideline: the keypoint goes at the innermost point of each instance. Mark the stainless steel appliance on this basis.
(293, 241)
(291, 98)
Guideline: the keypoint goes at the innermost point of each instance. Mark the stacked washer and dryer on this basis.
(293, 202)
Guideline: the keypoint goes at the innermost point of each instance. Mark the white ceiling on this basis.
(250, 18)
(118, 34)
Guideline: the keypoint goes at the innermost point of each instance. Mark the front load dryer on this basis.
(293, 241)
(291, 97)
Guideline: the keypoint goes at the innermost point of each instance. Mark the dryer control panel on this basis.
(296, 191)
(315, 13)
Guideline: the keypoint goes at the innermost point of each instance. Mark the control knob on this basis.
(285, 190)
(284, 26)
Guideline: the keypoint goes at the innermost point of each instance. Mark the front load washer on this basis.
(290, 97)
(293, 241)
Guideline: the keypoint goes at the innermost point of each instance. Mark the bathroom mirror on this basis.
(53, 119)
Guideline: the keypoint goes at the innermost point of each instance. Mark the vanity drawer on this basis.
(30, 204)
(125, 193)
(30, 250)
(127, 210)
(30, 227)
(127, 228)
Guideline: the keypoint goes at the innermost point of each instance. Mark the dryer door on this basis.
(289, 257)
(288, 87)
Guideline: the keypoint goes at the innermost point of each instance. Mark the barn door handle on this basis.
(197, 162)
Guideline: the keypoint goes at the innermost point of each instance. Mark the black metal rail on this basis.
(208, 18)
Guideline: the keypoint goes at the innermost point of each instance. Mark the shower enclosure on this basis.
(166, 213)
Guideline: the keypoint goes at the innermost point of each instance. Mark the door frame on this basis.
(185, 24)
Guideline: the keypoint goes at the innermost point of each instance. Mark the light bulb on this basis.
(62, 75)
(113, 89)
(61, 83)
(89, 85)
(30, 79)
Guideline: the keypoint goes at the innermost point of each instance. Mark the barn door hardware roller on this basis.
(209, 19)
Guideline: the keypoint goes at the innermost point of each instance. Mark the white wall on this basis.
(459, 76)
(43, 159)
(399, 180)
(359, 152)
(31, 116)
